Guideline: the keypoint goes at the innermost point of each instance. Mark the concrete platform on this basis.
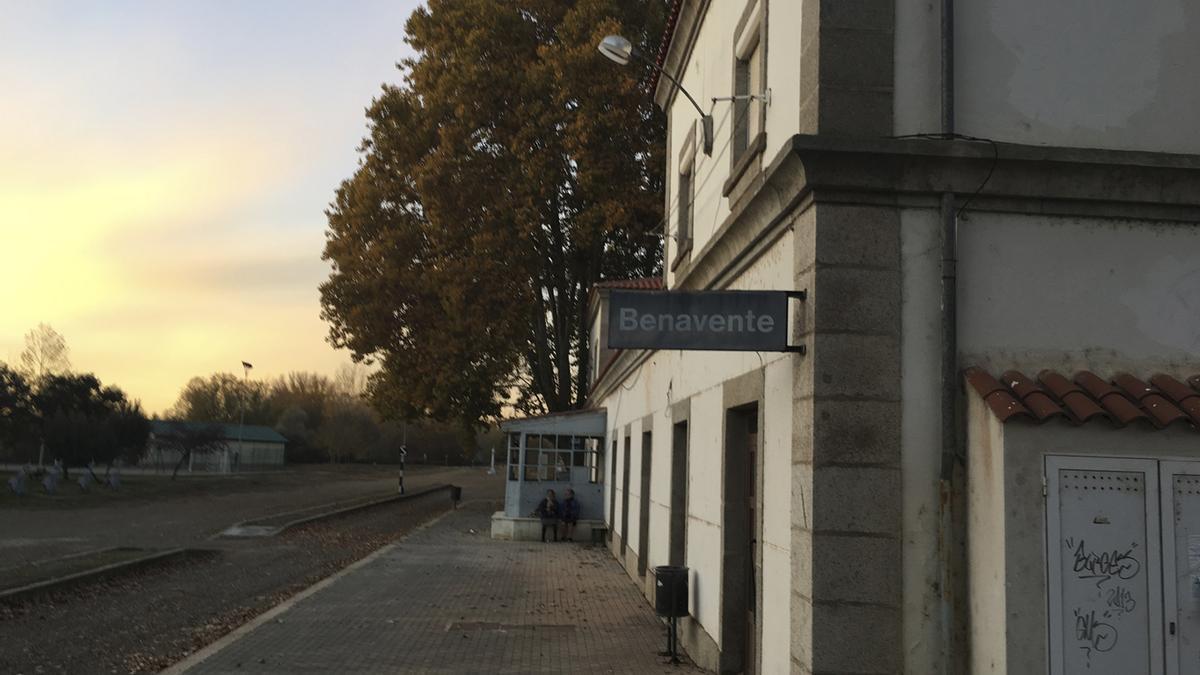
(450, 599)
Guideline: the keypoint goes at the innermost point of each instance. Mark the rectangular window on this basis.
(683, 234)
(514, 456)
(748, 82)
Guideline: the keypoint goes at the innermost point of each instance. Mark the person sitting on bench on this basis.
(547, 509)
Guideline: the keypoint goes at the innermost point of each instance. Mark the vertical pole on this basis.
(241, 414)
(949, 365)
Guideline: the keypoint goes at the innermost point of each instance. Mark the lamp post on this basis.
(246, 367)
(620, 50)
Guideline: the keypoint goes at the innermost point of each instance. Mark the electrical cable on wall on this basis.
(962, 137)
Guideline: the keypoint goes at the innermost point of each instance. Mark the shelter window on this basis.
(514, 456)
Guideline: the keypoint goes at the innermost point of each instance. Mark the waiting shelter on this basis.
(559, 451)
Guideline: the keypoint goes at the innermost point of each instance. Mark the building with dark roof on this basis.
(236, 447)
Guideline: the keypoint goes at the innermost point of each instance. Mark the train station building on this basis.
(986, 457)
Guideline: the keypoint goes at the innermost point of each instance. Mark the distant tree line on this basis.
(324, 419)
(48, 413)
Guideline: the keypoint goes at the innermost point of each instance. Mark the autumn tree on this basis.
(512, 169)
(45, 353)
(350, 428)
(223, 397)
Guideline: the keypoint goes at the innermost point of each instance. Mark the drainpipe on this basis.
(949, 370)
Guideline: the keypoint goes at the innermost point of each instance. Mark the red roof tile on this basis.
(642, 284)
(1118, 406)
(1079, 407)
(1034, 398)
(1186, 398)
(664, 45)
(997, 396)
(1161, 402)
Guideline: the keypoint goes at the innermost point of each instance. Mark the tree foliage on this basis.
(45, 353)
(350, 427)
(18, 417)
(224, 397)
(83, 421)
(512, 169)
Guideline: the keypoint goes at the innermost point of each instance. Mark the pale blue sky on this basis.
(164, 167)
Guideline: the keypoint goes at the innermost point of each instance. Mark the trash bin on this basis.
(455, 494)
(671, 590)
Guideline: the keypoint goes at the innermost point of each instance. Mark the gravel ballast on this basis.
(149, 619)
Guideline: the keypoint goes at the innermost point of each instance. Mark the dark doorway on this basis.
(625, 501)
(612, 488)
(644, 505)
(677, 551)
(741, 534)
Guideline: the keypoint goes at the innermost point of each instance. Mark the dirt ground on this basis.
(147, 620)
(155, 512)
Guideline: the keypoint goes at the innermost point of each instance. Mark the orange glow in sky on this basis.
(163, 175)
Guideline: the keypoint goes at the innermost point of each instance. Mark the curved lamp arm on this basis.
(620, 51)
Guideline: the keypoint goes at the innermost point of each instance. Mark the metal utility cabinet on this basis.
(1083, 548)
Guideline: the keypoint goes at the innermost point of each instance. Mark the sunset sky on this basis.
(164, 167)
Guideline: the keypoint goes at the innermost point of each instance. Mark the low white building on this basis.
(1017, 194)
(239, 446)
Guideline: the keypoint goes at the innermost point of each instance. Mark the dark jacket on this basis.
(547, 509)
(570, 509)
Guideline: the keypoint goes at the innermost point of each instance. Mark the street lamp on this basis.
(237, 456)
(619, 50)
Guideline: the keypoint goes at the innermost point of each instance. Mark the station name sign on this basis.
(705, 320)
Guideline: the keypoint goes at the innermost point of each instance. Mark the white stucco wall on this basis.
(668, 377)
(1072, 293)
(783, 73)
(1080, 73)
(1035, 292)
(917, 50)
(777, 518)
(709, 74)
(660, 491)
(986, 540)
(920, 433)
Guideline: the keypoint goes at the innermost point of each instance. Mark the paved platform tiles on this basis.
(449, 599)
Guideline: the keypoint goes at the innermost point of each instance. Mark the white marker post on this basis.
(403, 455)
(492, 471)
